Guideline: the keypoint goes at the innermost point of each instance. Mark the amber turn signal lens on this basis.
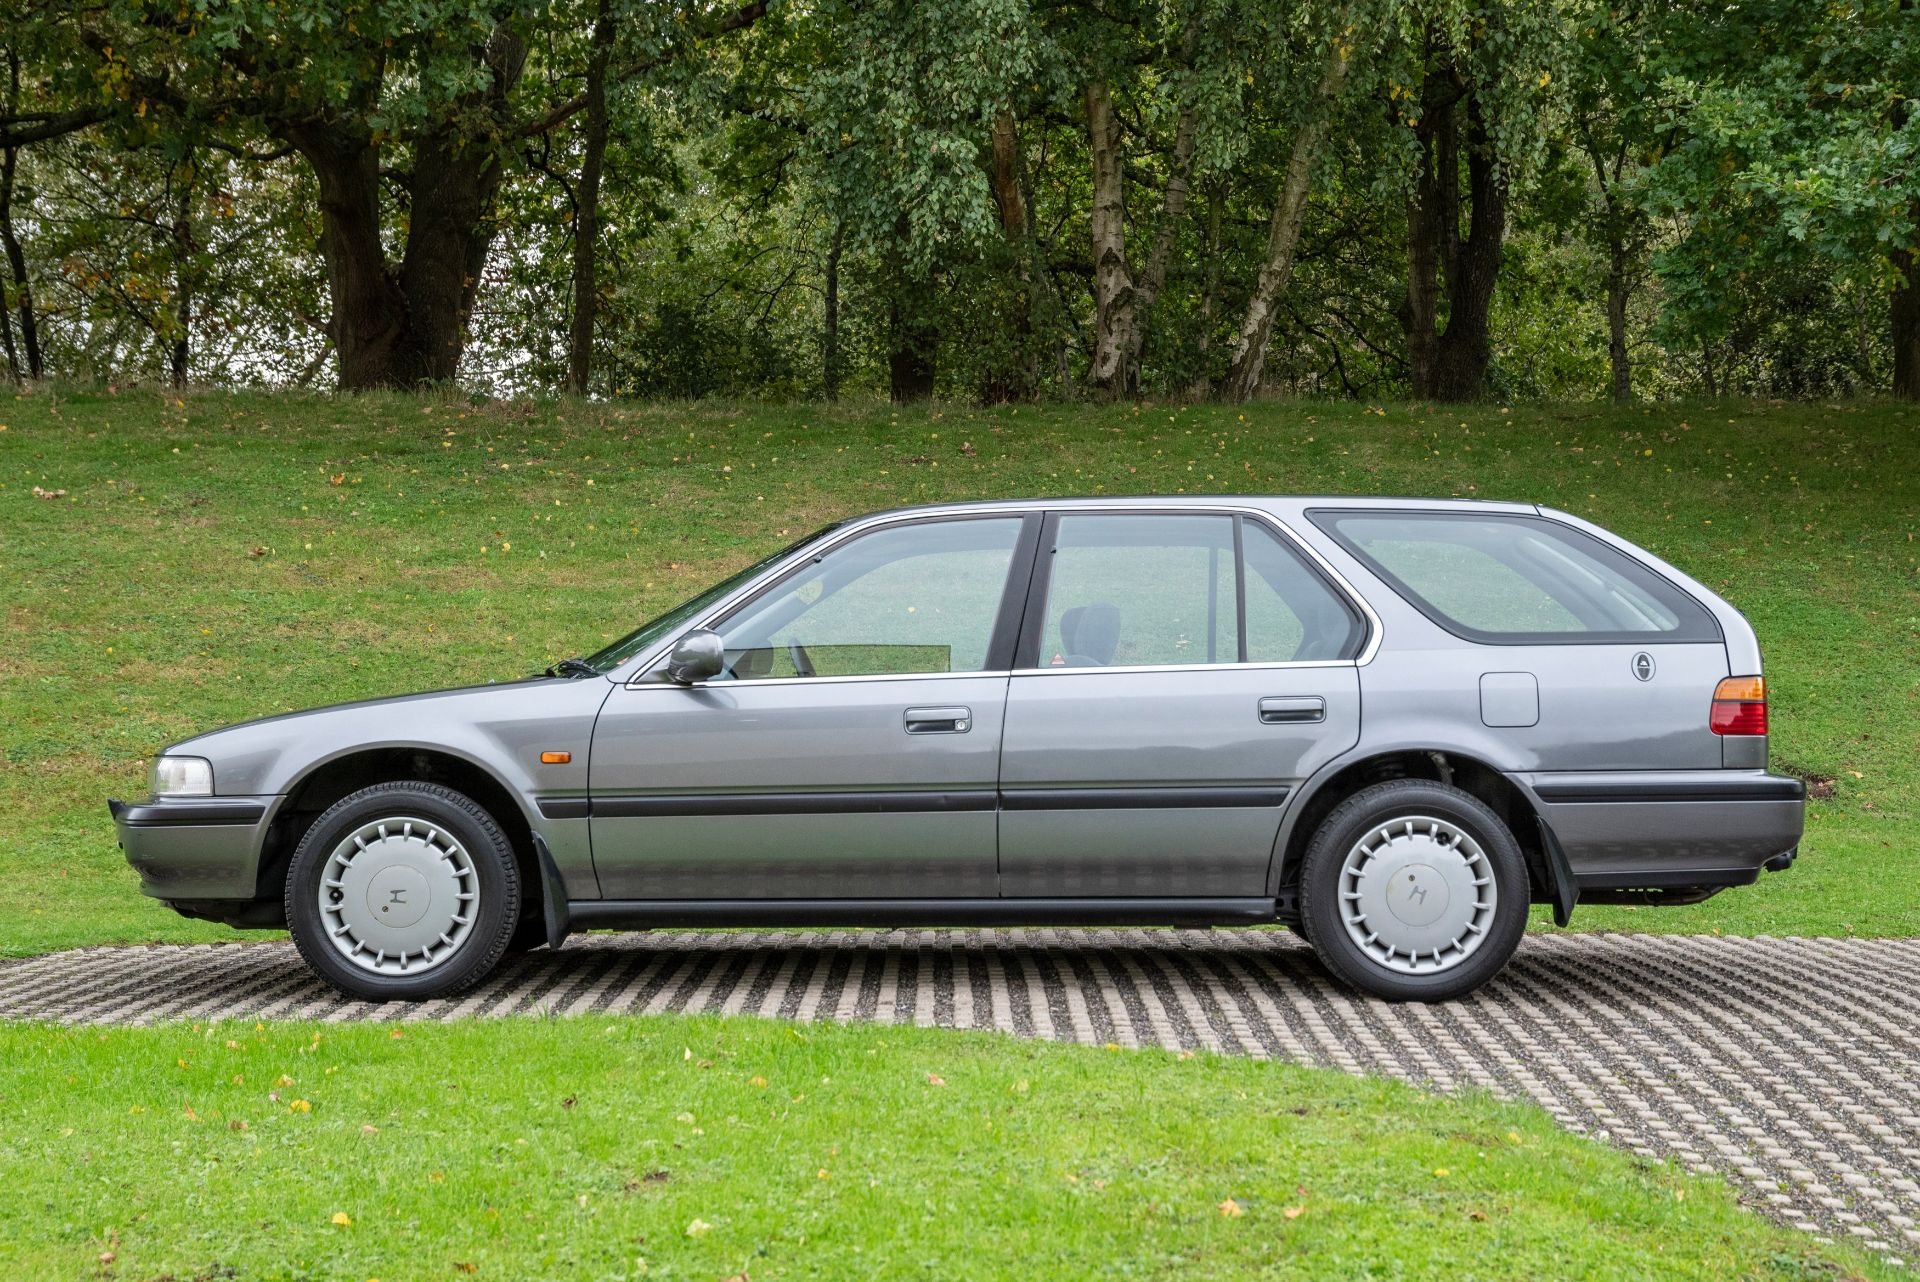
(1739, 706)
(555, 758)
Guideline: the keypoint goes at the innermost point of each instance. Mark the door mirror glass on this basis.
(697, 656)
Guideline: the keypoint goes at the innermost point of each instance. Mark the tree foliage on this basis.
(1000, 199)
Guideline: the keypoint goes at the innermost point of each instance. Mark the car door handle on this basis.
(1289, 709)
(939, 720)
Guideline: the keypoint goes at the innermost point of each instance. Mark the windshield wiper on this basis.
(575, 667)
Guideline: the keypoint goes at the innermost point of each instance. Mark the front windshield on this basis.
(655, 630)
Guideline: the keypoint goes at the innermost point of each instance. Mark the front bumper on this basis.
(195, 848)
(1669, 829)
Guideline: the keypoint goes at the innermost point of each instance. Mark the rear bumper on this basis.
(1669, 829)
(194, 848)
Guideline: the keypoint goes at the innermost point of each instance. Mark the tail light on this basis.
(1739, 706)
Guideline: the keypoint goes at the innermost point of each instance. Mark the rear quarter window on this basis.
(1518, 580)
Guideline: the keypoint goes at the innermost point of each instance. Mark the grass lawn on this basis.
(677, 1147)
(224, 557)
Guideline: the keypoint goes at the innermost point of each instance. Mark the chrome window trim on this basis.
(644, 667)
(1064, 670)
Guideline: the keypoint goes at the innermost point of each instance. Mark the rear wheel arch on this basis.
(1470, 773)
(330, 781)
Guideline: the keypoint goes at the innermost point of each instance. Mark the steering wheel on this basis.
(802, 662)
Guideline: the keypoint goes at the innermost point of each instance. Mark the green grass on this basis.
(598, 1149)
(223, 557)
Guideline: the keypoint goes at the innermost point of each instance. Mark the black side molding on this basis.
(1138, 798)
(654, 805)
(1686, 787)
(192, 811)
(639, 914)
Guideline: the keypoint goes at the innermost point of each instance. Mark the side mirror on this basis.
(697, 656)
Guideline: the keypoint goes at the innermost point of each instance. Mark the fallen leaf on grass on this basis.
(697, 1227)
(1232, 1209)
(934, 1079)
(342, 1219)
(1294, 1212)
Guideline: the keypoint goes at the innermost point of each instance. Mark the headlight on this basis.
(182, 777)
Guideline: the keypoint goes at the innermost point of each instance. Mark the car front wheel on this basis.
(403, 890)
(1414, 890)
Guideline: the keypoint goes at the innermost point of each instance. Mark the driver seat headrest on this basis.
(1091, 633)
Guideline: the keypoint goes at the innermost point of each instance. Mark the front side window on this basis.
(1163, 589)
(916, 598)
(1513, 579)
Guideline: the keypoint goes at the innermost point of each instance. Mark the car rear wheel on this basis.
(1414, 890)
(404, 890)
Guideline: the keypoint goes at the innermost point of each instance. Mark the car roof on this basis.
(1272, 502)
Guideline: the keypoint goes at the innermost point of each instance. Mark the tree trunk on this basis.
(180, 350)
(14, 371)
(22, 290)
(830, 345)
(1906, 320)
(1450, 364)
(1283, 235)
(1112, 281)
(1016, 380)
(910, 362)
(369, 319)
(405, 326)
(913, 332)
(1617, 291)
(1173, 209)
(1210, 293)
(586, 220)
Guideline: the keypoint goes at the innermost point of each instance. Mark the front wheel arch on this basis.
(328, 782)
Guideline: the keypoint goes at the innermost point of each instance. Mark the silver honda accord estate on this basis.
(1391, 724)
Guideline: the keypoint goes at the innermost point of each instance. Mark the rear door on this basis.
(1179, 673)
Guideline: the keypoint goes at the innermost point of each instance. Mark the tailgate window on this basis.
(1518, 580)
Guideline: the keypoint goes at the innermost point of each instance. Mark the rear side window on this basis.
(1518, 580)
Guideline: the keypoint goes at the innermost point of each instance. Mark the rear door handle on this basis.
(939, 720)
(1288, 709)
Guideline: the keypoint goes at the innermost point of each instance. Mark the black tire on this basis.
(1320, 913)
(495, 870)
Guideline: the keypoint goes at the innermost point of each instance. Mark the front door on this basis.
(848, 750)
(1180, 673)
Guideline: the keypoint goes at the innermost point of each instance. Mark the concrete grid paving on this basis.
(1790, 1066)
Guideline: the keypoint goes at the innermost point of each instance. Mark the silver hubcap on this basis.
(398, 896)
(1417, 895)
